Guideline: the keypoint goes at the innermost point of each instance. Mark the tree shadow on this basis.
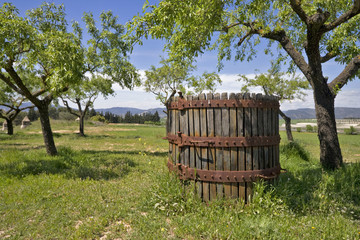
(71, 164)
(131, 152)
(306, 186)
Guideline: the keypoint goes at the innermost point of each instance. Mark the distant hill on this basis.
(123, 110)
(309, 113)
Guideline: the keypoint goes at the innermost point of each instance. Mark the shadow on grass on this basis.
(131, 152)
(94, 165)
(306, 186)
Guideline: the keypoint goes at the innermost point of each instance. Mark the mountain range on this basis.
(309, 113)
(301, 113)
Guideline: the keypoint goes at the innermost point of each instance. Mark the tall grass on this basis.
(114, 184)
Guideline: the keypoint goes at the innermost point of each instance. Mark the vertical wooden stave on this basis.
(255, 132)
(266, 133)
(233, 150)
(226, 151)
(270, 132)
(219, 151)
(173, 131)
(186, 129)
(248, 150)
(177, 129)
(197, 151)
(182, 129)
(191, 133)
(241, 150)
(204, 150)
(260, 126)
(211, 150)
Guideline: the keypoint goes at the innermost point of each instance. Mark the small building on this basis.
(25, 122)
(4, 126)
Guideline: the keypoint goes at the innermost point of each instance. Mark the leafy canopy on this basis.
(285, 86)
(174, 76)
(236, 27)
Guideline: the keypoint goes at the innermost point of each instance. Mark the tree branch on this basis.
(349, 71)
(9, 83)
(69, 108)
(296, 6)
(328, 56)
(355, 10)
(287, 45)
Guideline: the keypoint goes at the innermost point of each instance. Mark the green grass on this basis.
(114, 184)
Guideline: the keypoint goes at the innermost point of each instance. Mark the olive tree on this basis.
(40, 46)
(308, 33)
(12, 104)
(176, 75)
(104, 63)
(286, 87)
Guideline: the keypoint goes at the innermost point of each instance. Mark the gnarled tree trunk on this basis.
(10, 127)
(287, 126)
(46, 129)
(330, 151)
(81, 125)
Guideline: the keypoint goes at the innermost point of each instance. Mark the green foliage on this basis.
(286, 87)
(298, 129)
(175, 75)
(309, 128)
(98, 118)
(350, 131)
(190, 27)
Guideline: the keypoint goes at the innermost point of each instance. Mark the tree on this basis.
(285, 86)
(13, 103)
(39, 58)
(175, 75)
(309, 33)
(104, 63)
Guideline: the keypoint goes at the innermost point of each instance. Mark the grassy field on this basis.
(113, 184)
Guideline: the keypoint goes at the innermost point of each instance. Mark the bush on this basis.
(298, 129)
(350, 131)
(98, 118)
(309, 128)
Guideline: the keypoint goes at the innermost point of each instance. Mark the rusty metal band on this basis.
(216, 103)
(255, 141)
(186, 173)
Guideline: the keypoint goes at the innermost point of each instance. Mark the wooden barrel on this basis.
(224, 142)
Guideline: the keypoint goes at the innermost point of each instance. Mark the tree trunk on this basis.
(46, 129)
(287, 126)
(10, 127)
(330, 152)
(81, 123)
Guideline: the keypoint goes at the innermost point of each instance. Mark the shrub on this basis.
(350, 131)
(298, 129)
(98, 118)
(309, 128)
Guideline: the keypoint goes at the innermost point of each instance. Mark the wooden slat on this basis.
(266, 133)
(219, 151)
(211, 151)
(197, 150)
(226, 151)
(248, 153)
(177, 129)
(186, 131)
(255, 132)
(260, 127)
(270, 132)
(233, 151)
(182, 126)
(173, 131)
(191, 133)
(204, 150)
(241, 151)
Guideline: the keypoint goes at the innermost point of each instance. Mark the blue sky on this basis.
(149, 54)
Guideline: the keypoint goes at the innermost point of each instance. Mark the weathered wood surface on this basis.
(225, 122)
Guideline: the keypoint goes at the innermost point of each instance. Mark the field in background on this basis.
(114, 184)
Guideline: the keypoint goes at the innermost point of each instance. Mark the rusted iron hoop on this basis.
(182, 104)
(186, 173)
(253, 141)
